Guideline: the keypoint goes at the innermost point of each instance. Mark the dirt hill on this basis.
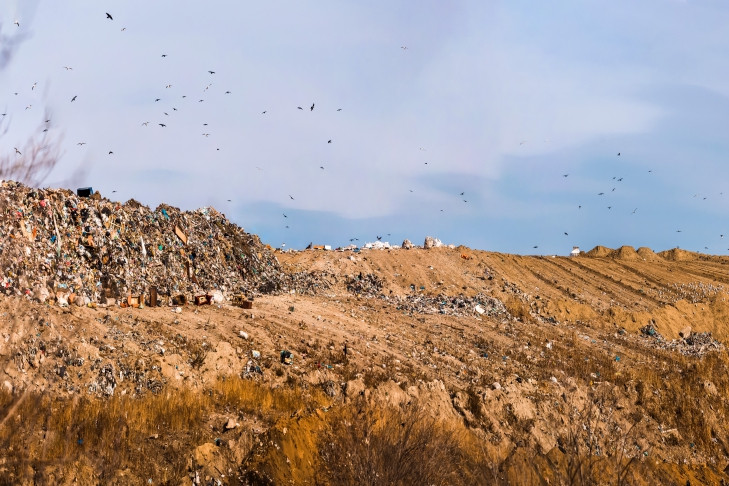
(485, 368)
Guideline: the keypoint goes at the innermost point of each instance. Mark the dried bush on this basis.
(385, 446)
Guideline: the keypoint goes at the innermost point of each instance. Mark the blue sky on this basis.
(495, 100)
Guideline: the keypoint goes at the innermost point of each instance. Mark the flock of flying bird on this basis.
(162, 124)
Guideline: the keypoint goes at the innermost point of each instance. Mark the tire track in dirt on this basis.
(594, 290)
(638, 280)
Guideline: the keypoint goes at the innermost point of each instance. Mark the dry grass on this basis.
(43, 437)
(388, 446)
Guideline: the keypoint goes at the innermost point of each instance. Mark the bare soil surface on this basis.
(607, 364)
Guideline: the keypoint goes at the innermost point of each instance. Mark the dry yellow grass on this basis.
(43, 437)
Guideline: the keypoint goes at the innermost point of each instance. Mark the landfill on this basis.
(87, 250)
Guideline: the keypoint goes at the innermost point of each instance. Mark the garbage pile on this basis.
(459, 305)
(369, 285)
(54, 244)
(690, 344)
(304, 283)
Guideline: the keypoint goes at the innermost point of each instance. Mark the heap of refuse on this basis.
(54, 244)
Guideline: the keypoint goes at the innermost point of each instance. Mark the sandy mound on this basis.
(677, 255)
(625, 252)
(599, 252)
(648, 255)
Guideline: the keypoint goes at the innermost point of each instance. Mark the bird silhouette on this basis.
(292, 197)
(285, 216)
(379, 238)
(110, 152)
(74, 98)
(211, 72)
(81, 143)
(157, 99)
(600, 193)
(108, 16)
(164, 55)
(618, 154)
(565, 175)
(339, 109)
(300, 108)
(329, 141)
(565, 233)
(162, 124)
(17, 22)
(17, 152)
(312, 107)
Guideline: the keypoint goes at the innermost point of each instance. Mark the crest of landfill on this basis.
(55, 245)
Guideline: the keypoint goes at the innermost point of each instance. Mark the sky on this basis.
(513, 126)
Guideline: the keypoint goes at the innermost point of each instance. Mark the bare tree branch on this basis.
(32, 163)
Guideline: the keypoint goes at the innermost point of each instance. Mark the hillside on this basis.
(488, 368)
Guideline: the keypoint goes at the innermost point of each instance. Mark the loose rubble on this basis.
(54, 244)
(690, 344)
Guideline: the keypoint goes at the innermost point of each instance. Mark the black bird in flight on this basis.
(339, 109)
(300, 108)
(285, 216)
(108, 16)
(600, 193)
(379, 238)
(565, 233)
(74, 98)
(162, 124)
(110, 152)
(329, 141)
(312, 107)
(565, 175)
(292, 197)
(211, 72)
(462, 193)
(618, 154)
(164, 55)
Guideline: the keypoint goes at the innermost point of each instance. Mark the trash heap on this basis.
(368, 285)
(54, 244)
(459, 305)
(694, 344)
